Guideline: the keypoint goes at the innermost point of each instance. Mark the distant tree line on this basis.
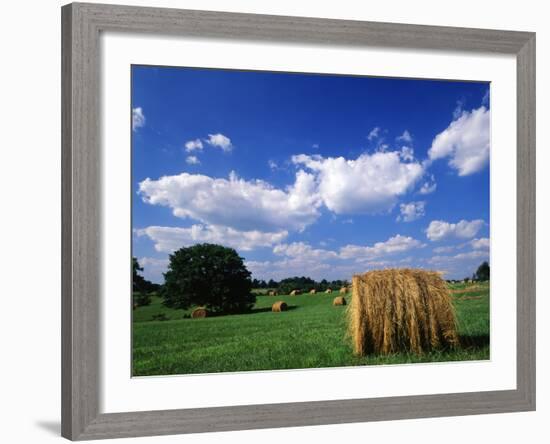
(215, 277)
(483, 273)
(301, 283)
(141, 287)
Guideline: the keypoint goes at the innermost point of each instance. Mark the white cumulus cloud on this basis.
(405, 137)
(446, 249)
(374, 133)
(429, 186)
(466, 141)
(407, 153)
(289, 266)
(220, 141)
(480, 244)
(169, 239)
(411, 211)
(395, 244)
(477, 254)
(138, 118)
(193, 145)
(300, 249)
(235, 202)
(319, 263)
(369, 184)
(439, 229)
(192, 160)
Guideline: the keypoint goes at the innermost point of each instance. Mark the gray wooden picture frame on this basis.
(81, 172)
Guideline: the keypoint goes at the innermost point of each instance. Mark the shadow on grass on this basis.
(474, 341)
(251, 311)
(266, 309)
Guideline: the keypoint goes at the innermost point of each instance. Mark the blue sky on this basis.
(304, 174)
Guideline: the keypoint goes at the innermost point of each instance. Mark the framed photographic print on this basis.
(279, 221)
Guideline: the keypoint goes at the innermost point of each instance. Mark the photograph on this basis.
(274, 222)
(288, 220)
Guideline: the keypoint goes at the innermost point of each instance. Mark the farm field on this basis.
(312, 333)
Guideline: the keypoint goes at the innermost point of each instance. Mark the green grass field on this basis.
(312, 333)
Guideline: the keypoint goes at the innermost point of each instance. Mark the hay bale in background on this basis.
(312, 291)
(401, 310)
(294, 292)
(343, 290)
(272, 293)
(279, 306)
(199, 312)
(339, 300)
(328, 290)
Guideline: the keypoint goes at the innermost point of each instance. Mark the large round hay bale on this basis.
(312, 291)
(343, 290)
(401, 310)
(328, 290)
(340, 300)
(199, 312)
(279, 306)
(294, 292)
(272, 293)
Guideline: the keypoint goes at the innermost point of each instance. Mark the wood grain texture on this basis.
(526, 221)
(66, 224)
(81, 230)
(230, 25)
(120, 425)
(81, 222)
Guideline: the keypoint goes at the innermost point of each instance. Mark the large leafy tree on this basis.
(139, 283)
(141, 287)
(208, 275)
(483, 272)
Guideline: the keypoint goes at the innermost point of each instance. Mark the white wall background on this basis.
(30, 220)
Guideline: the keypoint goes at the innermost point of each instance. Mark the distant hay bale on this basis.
(272, 293)
(312, 291)
(279, 306)
(340, 300)
(343, 290)
(401, 310)
(294, 292)
(328, 290)
(199, 312)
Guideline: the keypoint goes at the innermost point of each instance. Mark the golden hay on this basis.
(343, 290)
(328, 290)
(401, 310)
(294, 292)
(279, 306)
(272, 293)
(312, 291)
(199, 312)
(340, 300)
